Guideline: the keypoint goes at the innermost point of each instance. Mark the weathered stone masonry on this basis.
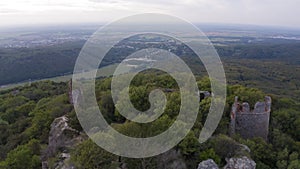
(249, 124)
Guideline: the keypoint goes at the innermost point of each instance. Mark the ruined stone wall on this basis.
(251, 123)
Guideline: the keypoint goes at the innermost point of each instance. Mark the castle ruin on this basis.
(250, 123)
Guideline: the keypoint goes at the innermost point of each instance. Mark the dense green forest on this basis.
(26, 114)
(22, 64)
(272, 65)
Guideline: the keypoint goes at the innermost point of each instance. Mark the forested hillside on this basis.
(26, 114)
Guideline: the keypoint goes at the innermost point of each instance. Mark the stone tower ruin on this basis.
(250, 123)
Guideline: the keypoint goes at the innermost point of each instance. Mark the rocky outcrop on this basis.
(61, 139)
(208, 164)
(240, 163)
(232, 163)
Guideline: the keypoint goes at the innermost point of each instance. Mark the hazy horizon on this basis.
(275, 13)
(97, 25)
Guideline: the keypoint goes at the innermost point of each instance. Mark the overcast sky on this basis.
(257, 12)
